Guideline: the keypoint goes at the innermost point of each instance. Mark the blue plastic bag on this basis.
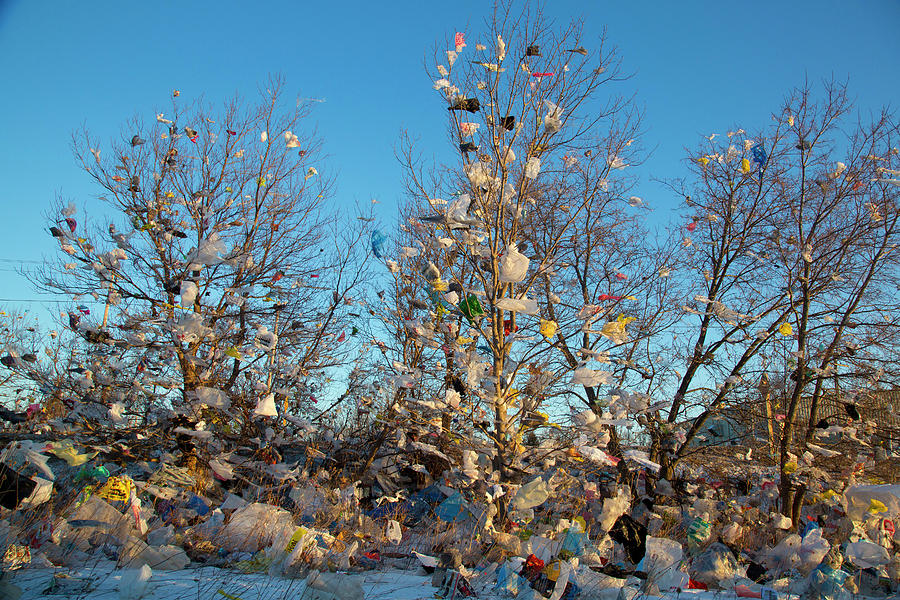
(378, 242)
(452, 509)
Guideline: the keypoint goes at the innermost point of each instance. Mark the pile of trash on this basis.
(564, 533)
(226, 486)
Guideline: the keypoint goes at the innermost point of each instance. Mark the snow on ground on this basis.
(102, 582)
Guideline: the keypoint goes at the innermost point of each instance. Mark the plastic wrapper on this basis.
(661, 563)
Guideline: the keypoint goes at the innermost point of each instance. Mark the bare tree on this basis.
(732, 306)
(790, 237)
(220, 266)
(837, 254)
(486, 271)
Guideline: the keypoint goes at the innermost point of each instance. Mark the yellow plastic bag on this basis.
(116, 489)
(548, 328)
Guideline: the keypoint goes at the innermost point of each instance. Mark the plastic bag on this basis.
(574, 542)
(480, 175)
(552, 120)
(213, 397)
(265, 406)
(534, 493)
(662, 553)
(589, 377)
(189, 328)
(542, 547)
(632, 535)
(698, 532)
(513, 265)
(208, 252)
(532, 167)
(453, 509)
(161, 536)
(714, 564)
(615, 330)
(826, 583)
(254, 527)
(379, 240)
(393, 532)
(858, 499)
(94, 518)
(508, 580)
(65, 449)
(786, 555)
(523, 305)
(661, 563)
(25, 458)
(134, 583)
(548, 328)
(189, 291)
(865, 554)
(338, 586)
(813, 549)
(471, 308)
(613, 508)
(136, 553)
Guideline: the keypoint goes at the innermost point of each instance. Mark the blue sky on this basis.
(699, 67)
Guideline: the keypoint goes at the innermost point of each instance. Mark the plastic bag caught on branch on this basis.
(513, 265)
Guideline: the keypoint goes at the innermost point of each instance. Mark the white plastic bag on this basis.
(208, 252)
(213, 398)
(337, 586)
(589, 377)
(136, 554)
(813, 549)
(393, 532)
(858, 499)
(135, 583)
(714, 564)
(552, 120)
(661, 562)
(189, 291)
(513, 265)
(526, 306)
(265, 407)
(613, 508)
